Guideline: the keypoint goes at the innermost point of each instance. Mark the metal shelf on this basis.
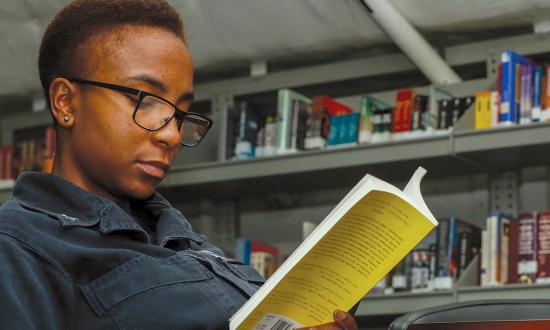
(492, 150)
(401, 303)
(473, 151)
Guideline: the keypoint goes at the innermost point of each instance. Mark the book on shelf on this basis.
(527, 247)
(526, 91)
(543, 247)
(455, 240)
(495, 266)
(537, 93)
(290, 108)
(261, 256)
(366, 235)
(402, 113)
(511, 87)
(246, 139)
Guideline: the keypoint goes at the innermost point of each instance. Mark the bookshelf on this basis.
(468, 152)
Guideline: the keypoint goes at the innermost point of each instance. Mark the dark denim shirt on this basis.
(70, 259)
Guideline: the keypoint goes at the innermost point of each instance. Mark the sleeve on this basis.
(34, 293)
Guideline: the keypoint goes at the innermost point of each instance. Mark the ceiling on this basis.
(226, 35)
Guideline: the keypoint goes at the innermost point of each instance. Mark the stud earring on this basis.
(66, 118)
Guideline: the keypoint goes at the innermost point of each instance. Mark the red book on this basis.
(329, 107)
(9, 172)
(403, 110)
(527, 247)
(543, 247)
(259, 246)
(513, 241)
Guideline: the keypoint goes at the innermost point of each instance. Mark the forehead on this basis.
(120, 52)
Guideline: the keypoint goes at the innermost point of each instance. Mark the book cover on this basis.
(527, 247)
(511, 87)
(543, 247)
(366, 235)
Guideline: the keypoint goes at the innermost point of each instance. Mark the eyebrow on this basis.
(189, 96)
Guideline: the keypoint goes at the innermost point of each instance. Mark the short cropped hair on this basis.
(80, 20)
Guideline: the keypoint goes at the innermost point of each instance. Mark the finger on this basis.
(345, 320)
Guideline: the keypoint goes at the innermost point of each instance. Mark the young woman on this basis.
(93, 246)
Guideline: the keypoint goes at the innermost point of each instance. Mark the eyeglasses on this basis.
(152, 112)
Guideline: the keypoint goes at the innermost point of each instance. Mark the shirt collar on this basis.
(76, 207)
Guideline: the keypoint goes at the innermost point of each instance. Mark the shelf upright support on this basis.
(220, 223)
(222, 102)
(504, 193)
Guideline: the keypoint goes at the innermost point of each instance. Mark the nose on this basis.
(168, 136)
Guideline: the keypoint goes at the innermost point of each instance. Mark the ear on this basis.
(62, 93)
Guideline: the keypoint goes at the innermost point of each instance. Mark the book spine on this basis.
(494, 108)
(545, 103)
(511, 81)
(537, 94)
(513, 249)
(10, 171)
(526, 88)
(442, 113)
(482, 117)
(353, 128)
(333, 133)
(284, 114)
(366, 125)
(343, 129)
(504, 250)
(543, 248)
(2, 163)
(527, 248)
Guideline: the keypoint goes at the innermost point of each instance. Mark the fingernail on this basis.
(339, 315)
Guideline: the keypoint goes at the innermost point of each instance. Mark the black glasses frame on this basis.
(179, 114)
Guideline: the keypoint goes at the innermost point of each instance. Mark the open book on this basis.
(357, 244)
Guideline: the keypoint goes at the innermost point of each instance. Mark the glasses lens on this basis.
(153, 113)
(193, 129)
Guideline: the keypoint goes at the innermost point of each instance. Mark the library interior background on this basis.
(309, 96)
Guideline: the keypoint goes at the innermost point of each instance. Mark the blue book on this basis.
(353, 127)
(511, 83)
(334, 130)
(243, 250)
(537, 92)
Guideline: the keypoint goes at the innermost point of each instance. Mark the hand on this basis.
(342, 321)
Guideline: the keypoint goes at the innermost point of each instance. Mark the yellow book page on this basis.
(357, 252)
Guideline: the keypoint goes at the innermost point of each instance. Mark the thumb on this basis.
(345, 320)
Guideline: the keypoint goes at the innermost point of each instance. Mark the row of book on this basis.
(33, 151)
(522, 95)
(516, 250)
(259, 255)
(302, 123)
(437, 262)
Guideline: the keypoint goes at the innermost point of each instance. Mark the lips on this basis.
(157, 169)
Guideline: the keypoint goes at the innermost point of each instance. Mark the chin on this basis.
(142, 192)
